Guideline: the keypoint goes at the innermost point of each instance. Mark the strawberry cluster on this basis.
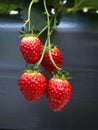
(32, 83)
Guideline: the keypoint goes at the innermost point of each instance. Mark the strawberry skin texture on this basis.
(32, 86)
(30, 48)
(58, 93)
(57, 57)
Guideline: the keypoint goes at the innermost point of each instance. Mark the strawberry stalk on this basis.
(29, 14)
(49, 34)
(42, 30)
(28, 21)
(53, 27)
(43, 52)
(59, 73)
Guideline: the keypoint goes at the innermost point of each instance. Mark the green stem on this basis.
(29, 14)
(76, 2)
(39, 62)
(48, 36)
(42, 30)
(54, 25)
(45, 29)
(77, 6)
(25, 22)
(46, 8)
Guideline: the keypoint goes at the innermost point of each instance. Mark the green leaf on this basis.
(70, 3)
(87, 3)
(80, 4)
(38, 18)
(5, 7)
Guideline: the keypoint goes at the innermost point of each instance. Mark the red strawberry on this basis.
(32, 85)
(58, 93)
(30, 48)
(57, 57)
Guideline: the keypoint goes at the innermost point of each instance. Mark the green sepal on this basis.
(32, 68)
(61, 74)
(48, 49)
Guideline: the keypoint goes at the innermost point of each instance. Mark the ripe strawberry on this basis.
(30, 48)
(58, 93)
(32, 85)
(57, 57)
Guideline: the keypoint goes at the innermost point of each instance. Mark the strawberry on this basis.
(32, 85)
(30, 47)
(58, 93)
(57, 57)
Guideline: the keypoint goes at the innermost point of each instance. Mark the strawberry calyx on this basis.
(32, 69)
(52, 46)
(29, 71)
(61, 74)
(30, 35)
(27, 34)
